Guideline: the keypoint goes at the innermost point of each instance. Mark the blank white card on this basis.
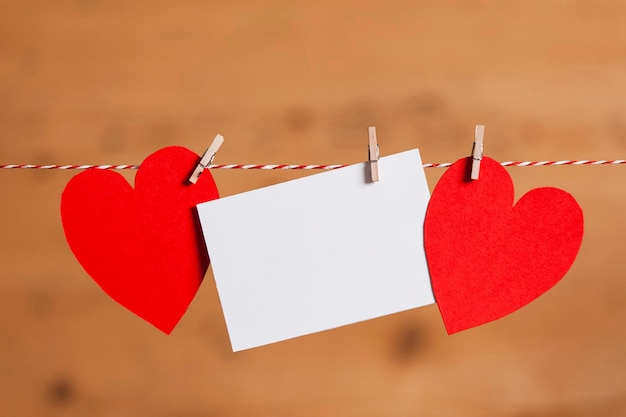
(320, 252)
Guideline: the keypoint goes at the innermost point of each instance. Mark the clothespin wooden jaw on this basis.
(374, 153)
(206, 159)
(477, 151)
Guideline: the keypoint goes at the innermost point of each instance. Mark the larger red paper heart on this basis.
(143, 245)
(488, 258)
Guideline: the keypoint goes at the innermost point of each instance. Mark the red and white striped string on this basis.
(311, 167)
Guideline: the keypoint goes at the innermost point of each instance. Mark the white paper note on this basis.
(320, 252)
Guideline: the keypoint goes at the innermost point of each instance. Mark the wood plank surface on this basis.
(109, 82)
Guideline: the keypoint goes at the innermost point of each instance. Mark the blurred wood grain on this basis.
(88, 81)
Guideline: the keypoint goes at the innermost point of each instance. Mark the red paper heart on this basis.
(142, 245)
(488, 258)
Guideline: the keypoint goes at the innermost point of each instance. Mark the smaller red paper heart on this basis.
(488, 257)
(143, 246)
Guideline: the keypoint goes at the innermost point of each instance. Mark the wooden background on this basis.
(88, 81)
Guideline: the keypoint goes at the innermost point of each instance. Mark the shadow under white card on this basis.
(320, 252)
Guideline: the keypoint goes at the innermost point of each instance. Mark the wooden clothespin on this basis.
(207, 158)
(477, 151)
(374, 153)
